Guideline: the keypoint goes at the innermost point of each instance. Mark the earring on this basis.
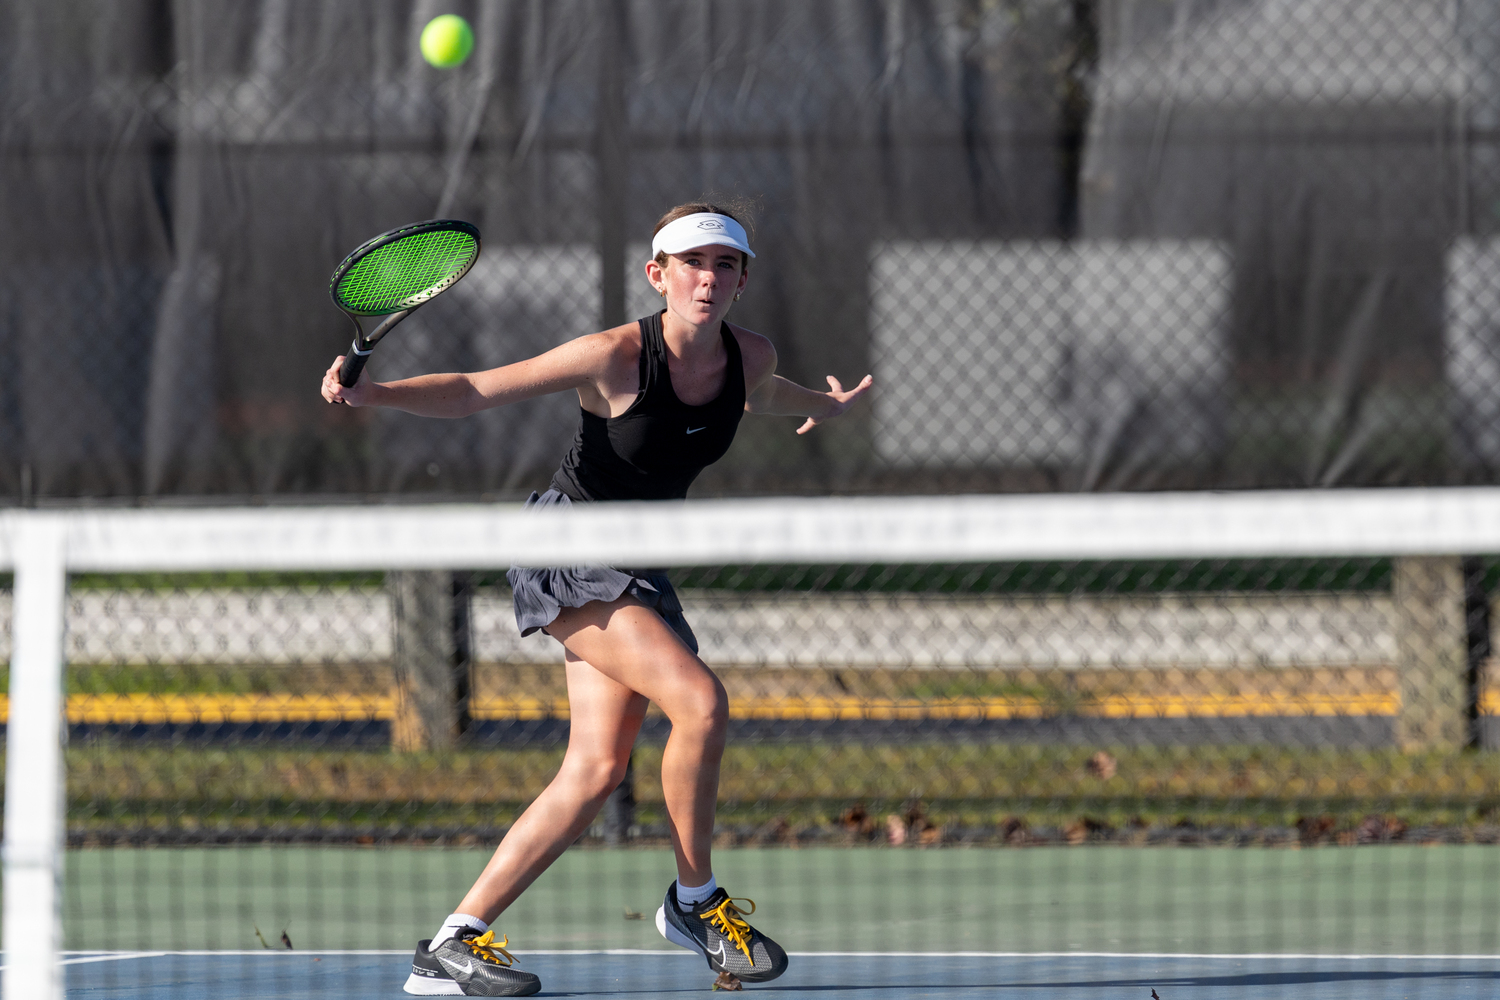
(737, 296)
(662, 292)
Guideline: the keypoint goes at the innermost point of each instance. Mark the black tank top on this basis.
(655, 449)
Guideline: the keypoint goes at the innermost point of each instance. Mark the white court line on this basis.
(225, 952)
(1261, 957)
(243, 951)
(110, 957)
(95, 956)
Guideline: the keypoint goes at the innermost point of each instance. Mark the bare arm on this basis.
(769, 393)
(581, 364)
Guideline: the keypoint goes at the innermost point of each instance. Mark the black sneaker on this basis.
(428, 978)
(717, 930)
(472, 965)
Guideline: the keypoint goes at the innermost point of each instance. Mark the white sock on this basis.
(690, 896)
(455, 923)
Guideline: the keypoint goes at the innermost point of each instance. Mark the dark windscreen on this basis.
(1081, 246)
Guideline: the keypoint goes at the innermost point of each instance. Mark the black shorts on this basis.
(541, 593)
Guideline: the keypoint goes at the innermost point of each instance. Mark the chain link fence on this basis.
(1268, 701)
(1082, 245)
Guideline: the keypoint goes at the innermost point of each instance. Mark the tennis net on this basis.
(964, 731)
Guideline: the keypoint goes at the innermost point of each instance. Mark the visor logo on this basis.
(710, 224)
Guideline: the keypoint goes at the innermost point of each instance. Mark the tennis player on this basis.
(661, 399)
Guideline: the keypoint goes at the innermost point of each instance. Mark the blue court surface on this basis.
(309, 975)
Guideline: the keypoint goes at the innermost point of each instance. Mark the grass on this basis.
(779, 792)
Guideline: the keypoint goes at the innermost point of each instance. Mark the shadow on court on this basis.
(305, 976)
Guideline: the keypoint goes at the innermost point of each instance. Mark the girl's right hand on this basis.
(350, 395)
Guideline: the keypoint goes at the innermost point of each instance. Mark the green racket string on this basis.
(405, 272)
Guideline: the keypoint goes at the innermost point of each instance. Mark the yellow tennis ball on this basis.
(447, 41)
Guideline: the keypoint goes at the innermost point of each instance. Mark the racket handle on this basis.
(354, 363)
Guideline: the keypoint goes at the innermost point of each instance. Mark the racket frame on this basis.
(364, 344)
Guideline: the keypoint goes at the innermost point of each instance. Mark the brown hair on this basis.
(741, 210)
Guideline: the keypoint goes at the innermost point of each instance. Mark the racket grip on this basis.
(354, 363)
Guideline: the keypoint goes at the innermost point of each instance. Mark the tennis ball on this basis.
(447, 41)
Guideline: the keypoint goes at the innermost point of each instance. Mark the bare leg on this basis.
(605, 718)
(632, 645)
(619, 655)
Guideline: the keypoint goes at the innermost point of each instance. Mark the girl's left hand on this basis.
(841, 400)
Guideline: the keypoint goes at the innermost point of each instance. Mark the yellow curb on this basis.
(147, 709)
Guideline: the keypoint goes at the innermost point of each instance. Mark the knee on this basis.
(598, 774)
(703, 708)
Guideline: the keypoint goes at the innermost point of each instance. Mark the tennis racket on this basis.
(395, 273)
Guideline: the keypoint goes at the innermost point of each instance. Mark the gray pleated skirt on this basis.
(542, 592)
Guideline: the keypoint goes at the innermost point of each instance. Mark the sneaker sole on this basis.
(427, 986)
(672, 934)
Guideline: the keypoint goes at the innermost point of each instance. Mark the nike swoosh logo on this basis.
(722, 956)
(695, 430)
(467, 968)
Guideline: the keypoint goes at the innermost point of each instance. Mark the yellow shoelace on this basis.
(489, 950)
(730, 921)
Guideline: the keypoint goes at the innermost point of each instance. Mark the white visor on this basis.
(700, 230)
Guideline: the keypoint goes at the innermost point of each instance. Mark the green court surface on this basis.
(1368, 900)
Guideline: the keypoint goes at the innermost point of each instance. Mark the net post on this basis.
(619, 808)
(1477, 619)
(1432, 643)
(431, 672)
(34, 800)
(611, 159)
(462, 631)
